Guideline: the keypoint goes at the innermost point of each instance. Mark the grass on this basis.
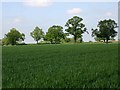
(60, 66)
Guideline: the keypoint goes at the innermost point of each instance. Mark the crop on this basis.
(60, 66)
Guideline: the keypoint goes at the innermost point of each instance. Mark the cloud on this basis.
(38, 3)
(108, 14)
(74, 11)
(17, 20)
(14, 21)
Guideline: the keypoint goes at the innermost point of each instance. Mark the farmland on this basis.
(60, 66)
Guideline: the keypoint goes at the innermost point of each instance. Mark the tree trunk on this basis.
(75, 38)
(107, 40)
(37, 42)
(51, 41)
(81, 40)
(13, 42)
(104, 40)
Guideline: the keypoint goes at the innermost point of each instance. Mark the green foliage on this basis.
(55, 34)
(98, 39)
(0, 42)
(5, 41)
(37, 34)
(75, 27)
(60, 66)
(67, 40)
(12, 37)
(106, 30)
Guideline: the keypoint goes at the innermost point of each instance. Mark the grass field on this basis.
(60, 66)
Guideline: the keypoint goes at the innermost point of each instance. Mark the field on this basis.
(60, 66)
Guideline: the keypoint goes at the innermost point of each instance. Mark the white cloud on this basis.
(38, 3)
(74, 11)
(108, 14)
(17, 20)
(14, 21)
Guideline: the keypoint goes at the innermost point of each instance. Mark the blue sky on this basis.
(25, 16)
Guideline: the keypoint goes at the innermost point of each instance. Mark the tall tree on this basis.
(106, 30)
(37, 34)
(55, 34)
(13, 36)
(75, 27)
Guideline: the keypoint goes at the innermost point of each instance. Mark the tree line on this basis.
(105, 31)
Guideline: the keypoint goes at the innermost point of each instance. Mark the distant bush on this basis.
(43, 43)
(21, 44)
(67, 40)
(90, 41)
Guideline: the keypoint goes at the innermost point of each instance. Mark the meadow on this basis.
(60, 66)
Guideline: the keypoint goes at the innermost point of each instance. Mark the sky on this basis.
(25, 15)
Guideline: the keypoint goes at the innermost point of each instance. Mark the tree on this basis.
(5, 41)
(37, 34)
(0, 41)
(106, 30)
(13, 36)
(67, 39)
(55, 34)
(98, 39)
(75, 27)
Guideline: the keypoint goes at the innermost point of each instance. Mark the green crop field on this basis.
(60, 66)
